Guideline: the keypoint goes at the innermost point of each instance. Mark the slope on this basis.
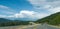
(53, 19)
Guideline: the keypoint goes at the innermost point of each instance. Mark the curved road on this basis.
(37, 26)
(44, 26)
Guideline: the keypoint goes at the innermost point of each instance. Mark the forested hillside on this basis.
(53, 19)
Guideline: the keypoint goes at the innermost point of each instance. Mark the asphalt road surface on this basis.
(44, 26)
(38, 26)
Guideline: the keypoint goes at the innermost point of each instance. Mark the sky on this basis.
(28, 9)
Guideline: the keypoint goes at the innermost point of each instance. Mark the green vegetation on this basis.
(53, 19)
(14, 23)
(6, 22)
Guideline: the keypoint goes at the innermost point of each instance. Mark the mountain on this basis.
(24, 19)
(53, 19)
(4, 20)
(8, 22)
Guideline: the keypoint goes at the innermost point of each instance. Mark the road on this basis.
(37, 26)
(40, 26)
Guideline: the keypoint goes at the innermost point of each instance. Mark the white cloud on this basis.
(54, 10)
(3, 16)
(44, 2)
(48, 5)
(30, 14)
(37, 2)
(4, 7)
(24, 14)
(6, 10)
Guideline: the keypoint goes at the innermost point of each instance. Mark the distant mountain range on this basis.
(8, 22)
(4, 20)
(53, 19)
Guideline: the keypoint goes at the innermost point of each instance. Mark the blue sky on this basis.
(16, 4)
(30, 9)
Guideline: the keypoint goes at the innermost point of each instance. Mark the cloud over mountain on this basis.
(29, 14)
